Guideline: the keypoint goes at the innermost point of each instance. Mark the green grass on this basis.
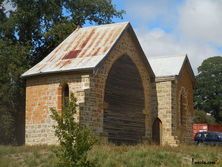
(27, 156)
(115, 156)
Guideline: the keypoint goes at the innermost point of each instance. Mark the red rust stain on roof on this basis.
(87, 39)
(84, 43)
(67, 46)
(72, 54)
(90, 41)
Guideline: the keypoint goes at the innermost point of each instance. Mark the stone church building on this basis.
(122, 96)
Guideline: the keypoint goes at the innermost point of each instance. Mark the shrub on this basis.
(75, 139)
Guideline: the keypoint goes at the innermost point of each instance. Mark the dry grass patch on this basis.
(116, 156)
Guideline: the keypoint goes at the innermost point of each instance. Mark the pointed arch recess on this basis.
(124, 120)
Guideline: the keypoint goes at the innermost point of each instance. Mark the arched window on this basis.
(183, 116)
(183, 107)
(65, 94)
(62, 96)
(181, 110)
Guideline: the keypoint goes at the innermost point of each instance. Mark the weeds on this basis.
(116, 156)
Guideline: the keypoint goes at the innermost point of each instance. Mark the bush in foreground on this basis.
(75, 140)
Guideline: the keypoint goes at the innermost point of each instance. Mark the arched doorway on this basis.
(124, 121)
(157, 131)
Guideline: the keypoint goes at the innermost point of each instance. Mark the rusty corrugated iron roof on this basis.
(83, 49)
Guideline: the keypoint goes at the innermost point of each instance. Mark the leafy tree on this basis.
(203, 117)
(75, 139)
(7, 125)
(28, 32)
(44, 24)
(11, 91)
(208, 95)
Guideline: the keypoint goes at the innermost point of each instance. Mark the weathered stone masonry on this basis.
(175, 115)
(42, 94)
(118, 96)
(185, 88)
(164, 110)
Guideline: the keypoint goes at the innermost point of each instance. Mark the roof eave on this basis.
(82, 70)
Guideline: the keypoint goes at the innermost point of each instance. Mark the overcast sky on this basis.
(171, 27)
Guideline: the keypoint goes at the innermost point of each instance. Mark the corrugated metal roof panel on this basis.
(166, 66)
(84, 48)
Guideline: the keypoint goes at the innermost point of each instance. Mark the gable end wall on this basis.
(185, 83)
(125, 46)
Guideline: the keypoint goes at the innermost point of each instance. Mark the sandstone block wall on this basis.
(167, 107)
(164, 110)
(41, 95)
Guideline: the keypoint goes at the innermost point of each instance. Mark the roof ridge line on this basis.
(103, 25)
(158, 57)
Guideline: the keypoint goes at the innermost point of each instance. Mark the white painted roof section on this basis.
(166, 66)
(83, 49)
